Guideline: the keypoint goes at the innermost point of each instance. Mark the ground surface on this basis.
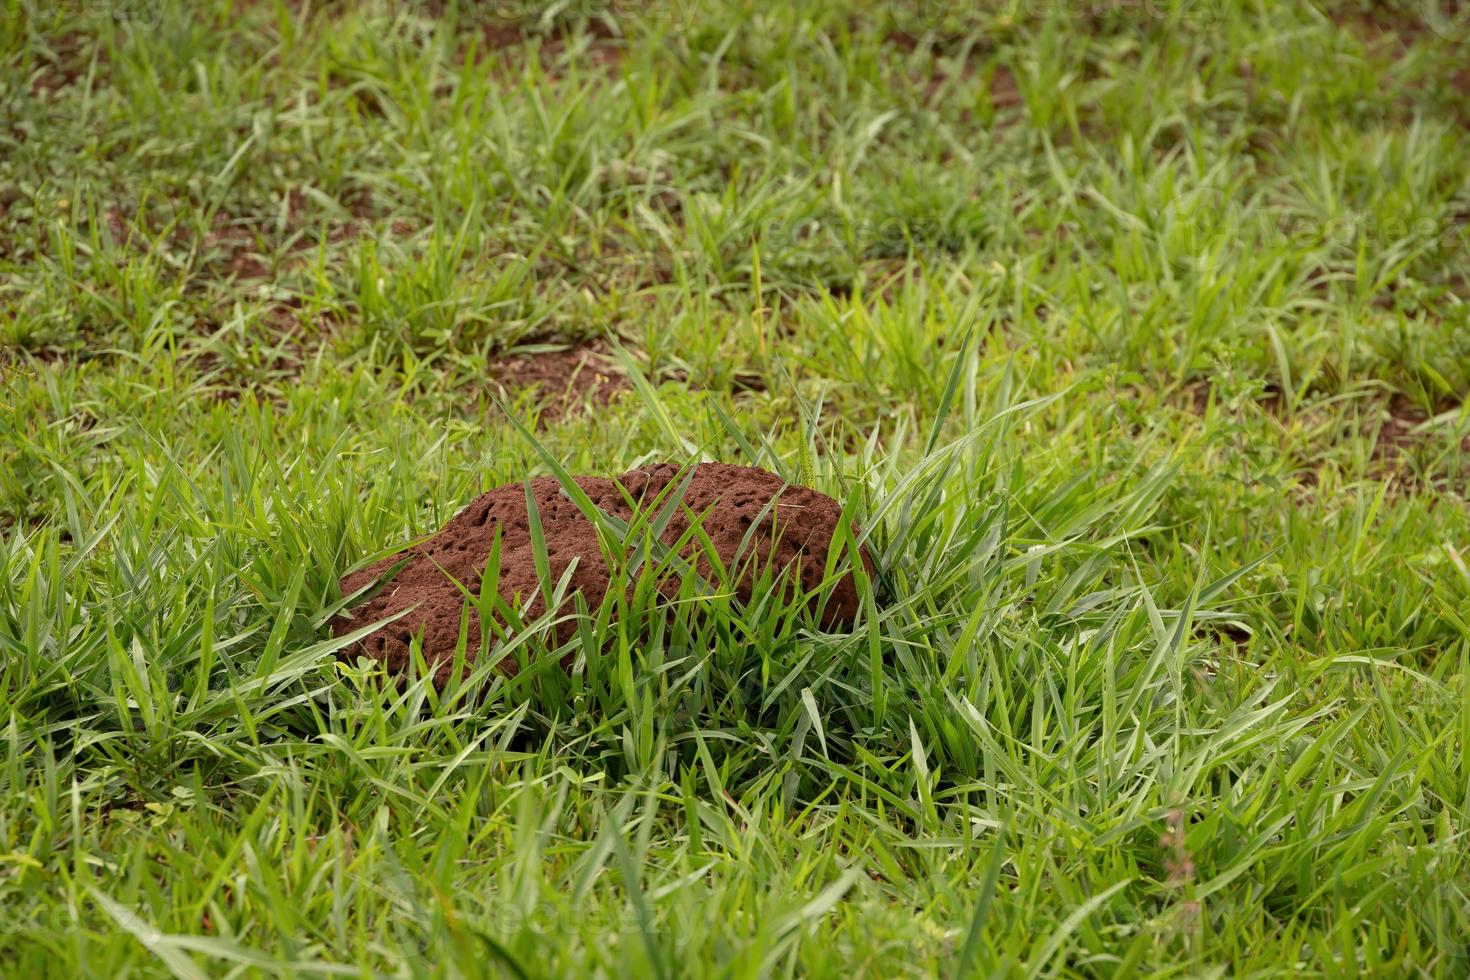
(1136, 334)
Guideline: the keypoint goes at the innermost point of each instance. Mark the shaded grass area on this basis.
(1135, 336)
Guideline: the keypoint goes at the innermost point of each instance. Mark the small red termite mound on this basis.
(733, 506)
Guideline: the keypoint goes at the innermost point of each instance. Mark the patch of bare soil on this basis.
(507, 43)
(1407, 445)
(10, 357)
(1394, 29)
(1005, 91)
(1382, 25)
(278, 344)
(64, 62)
(1407, 434)
(999, 83)
(246, 247)
(1196, 395)
(567, 377)
(1460, 81)
(733, 505)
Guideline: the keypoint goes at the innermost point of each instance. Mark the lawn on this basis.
(1134, 335)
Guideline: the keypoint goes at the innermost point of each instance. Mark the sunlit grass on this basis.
(1095, 321)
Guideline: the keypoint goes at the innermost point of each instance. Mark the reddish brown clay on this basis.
(792, 539)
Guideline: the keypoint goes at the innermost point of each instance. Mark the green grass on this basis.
(1134, 335)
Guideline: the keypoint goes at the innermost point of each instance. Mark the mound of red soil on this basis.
(790, 537)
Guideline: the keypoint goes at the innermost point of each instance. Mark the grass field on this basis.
(1135, 335)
